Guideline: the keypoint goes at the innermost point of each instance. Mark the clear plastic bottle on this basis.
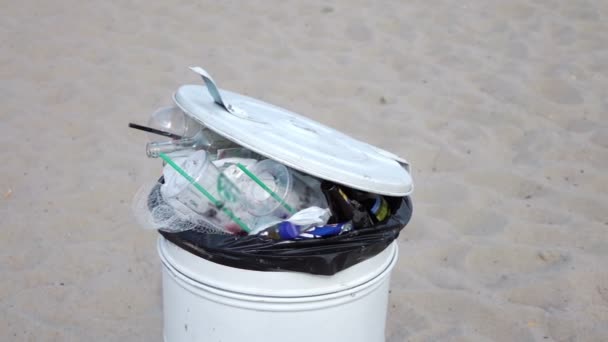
(205, 139)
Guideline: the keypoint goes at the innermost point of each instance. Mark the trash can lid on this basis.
(295, 140)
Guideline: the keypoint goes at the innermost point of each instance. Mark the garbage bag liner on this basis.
(326, 256)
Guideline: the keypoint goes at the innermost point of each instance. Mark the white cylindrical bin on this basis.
(208, 302)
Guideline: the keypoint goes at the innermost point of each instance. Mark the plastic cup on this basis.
(173, 120)
(188, 200)
(295, 190)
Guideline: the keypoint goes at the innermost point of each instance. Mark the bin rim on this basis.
(282, 284)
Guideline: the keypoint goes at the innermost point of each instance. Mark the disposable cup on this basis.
(293, 190)
(184, 196)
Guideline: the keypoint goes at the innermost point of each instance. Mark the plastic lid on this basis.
(295, 140)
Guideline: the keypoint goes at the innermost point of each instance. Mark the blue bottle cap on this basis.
(288, 230)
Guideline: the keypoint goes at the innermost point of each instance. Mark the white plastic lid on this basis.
(295, 140)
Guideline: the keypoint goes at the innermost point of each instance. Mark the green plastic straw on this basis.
(261, 184)
(204, 192)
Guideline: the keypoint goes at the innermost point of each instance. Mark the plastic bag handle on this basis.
(215, 93)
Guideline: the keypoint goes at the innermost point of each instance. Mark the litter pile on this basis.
(233, 206)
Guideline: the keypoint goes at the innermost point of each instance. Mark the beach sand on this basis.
(500, 106)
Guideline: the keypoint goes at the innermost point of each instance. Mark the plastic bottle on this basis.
(326, 231)
(203, 140)
(289, 231)
(282, 231)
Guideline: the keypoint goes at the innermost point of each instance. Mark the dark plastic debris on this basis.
(317, 256)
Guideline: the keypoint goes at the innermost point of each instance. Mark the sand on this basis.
(500, 106)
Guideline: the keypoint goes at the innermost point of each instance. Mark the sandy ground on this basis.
(501, 107)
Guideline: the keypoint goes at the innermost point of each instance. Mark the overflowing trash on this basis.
(227, 203)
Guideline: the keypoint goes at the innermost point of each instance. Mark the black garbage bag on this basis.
(326, 256)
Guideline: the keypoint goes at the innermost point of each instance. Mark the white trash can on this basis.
(208, 302)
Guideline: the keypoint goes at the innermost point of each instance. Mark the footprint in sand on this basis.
(560, 92)
(554, 293)
(500, 260)
(484, 222)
